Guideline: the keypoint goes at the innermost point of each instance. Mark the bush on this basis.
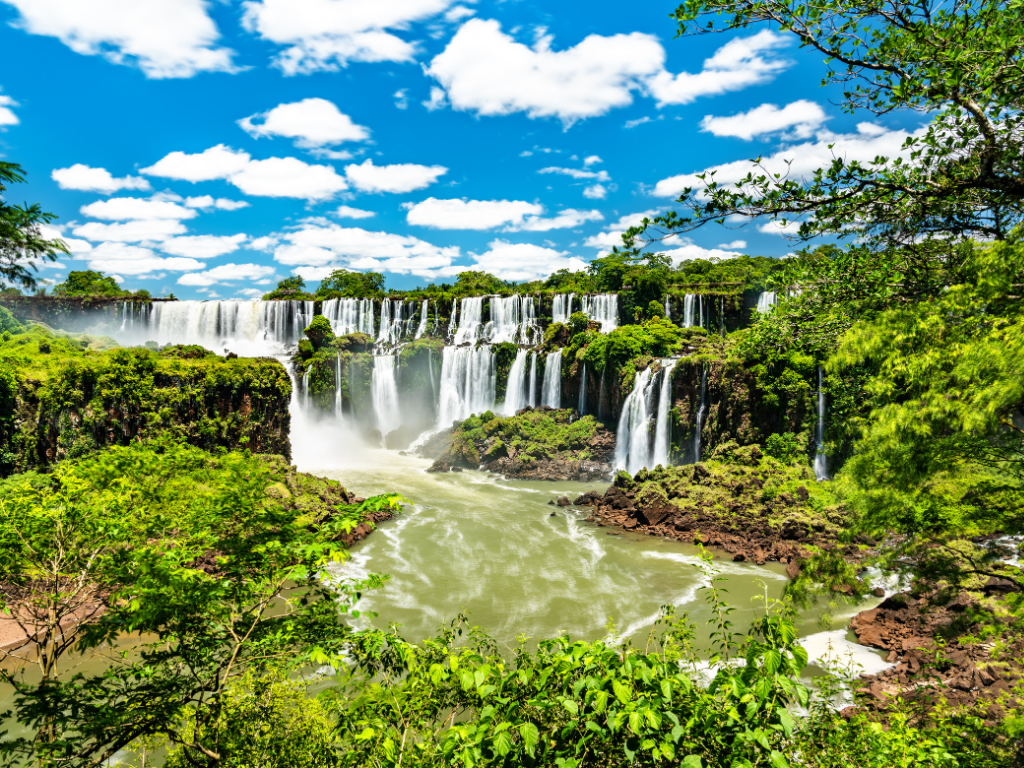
(783, 446)
(319, 332)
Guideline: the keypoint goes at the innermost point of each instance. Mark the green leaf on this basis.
(692, 761)
(503, 743)
(531, 736)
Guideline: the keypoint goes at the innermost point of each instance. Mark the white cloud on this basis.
(217, 162)
(566, 219)
(263, 244)
(131, 231)
(689, 252)
(485, 71)
(55, 231)
(740, 63)
(437, 99)
(577, 173)
(251, 293)
(595, 192)
(205, 202)
(734, 244)
(7, 116)
(203, 246)
(401, 177)
(328, 34)
(144, 266)
(401, 98)
(777, 227)
(347, 212)
(470, 214)
(588, 161)
(226, 273)
(313, 273)
(356, 248)
(122, 208)
(164, 38)
(311, 123)
(458, 13)
(82, 177)
(524, 261)
(869, 142)
(803, 117)
(288, 177)
(612, 236)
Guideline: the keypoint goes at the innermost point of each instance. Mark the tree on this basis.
(353, 285)
(89, 283)
(961, 177)
(189, 559)
(22, 242)
(293, 287)
(474, 282)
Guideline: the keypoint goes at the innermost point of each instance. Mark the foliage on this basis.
(475, 283)
(178, 557)
(531, 435)
(783, 446)
(742, 272)
(319, 332)
(352, 285)
(959, 178)
(293, 287)
(23, 244)
(89, 283)
(9, 323)
(655, 338)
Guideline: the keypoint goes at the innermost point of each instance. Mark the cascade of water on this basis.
(700, 304)
(529, 322)
(820, 459)
(505, 319)
(633, 441)
(553, 380)
(305, 390)
(452, 322)
(247, 327)
(351, 384)
(663, 428)
(385, 321)
(384, 392)
(468, 383)
(424, 316)
(561, 307)
(600, 397)
(582, 406)
(349, 315)
(469, 326)
(702, 411)
(604, 308)
(515, 392)
(668, 309)
(430, 370)
(337, 387)
(765, 302)
(688, 302)
(533, 380)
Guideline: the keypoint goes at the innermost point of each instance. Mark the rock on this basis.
(563, 501)
(551, 502)
(440, 466)
(996, 586)
(878, 592)
(802, 493)
(739, 557)
(587, 499)
(793, 569)
(456, 469)
(552, 514)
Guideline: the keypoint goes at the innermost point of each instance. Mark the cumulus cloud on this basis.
(779, 227)
(588, 161)
(612, 236)
(144, 266)
(164, 38)
(347, 212)
(800, 161)
(328, 34)
(524, 261)
(401, 177)
(311, 123)
(217, 162)
(566, 219)
(131, 231)
(470, 214)
(206, 202)
(56, 231)
(203, 246)
(485, 71)
(690, 251)
(226, 273)
(82, 177)
(734, 244)
(289, 177)
(124, 208)
(313, 273)
(595, 192)
(315, 245)
(802, 118)
(7, 116)
(577, 173)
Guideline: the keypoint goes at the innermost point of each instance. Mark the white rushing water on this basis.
(820, 459)
(604, 308)
(561, 307)
(702, 412)
(424, 316)
(244, 327)
(692, 310)
(515, 392)
(532, 395)
(468, 383)
(553, 380)
(472, 320)
(582, 405)
(349, 316)
(663, 429)
(633, 441)
(384, 393)
(765, 302)
(513, 320)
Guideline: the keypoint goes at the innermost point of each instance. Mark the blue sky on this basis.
(212, 148)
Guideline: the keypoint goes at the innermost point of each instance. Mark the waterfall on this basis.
(305, 390)
(245, 327)
(469, 326)
(668, 309)
(349, 315)
(700, 304)
(384, 391)
(468, 383)
(385, 321)
(600, 397)
(702, 412)
(424, 316)
(582, 407)
(561, 307)
(507, 318)
(452, 320)
(528, 327)
(663, 429)
(820, 459)
(765, 302)
(603, 308)
(337, 387)
(688, 302)
(515, 392)
(633, 440)
(533, 380)
(553, 380)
